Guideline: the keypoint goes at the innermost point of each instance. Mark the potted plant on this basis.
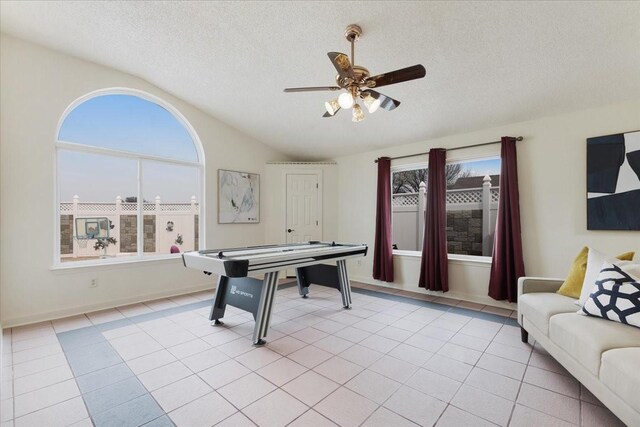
(103, 243)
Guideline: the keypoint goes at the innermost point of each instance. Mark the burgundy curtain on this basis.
(434, 273)
(383, 249)
(507, 264)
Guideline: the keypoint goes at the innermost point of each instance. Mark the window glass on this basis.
(171, 207)
(405, 204)
(96, 222)
(128, 123)
(128, 178)
(472, 203)
(472, 206)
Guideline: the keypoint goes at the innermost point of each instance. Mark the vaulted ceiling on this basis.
(488, 63)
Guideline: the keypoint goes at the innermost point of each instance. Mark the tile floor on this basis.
(389, 361)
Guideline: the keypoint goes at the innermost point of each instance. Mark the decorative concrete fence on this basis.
(163, 223)
(471, 219)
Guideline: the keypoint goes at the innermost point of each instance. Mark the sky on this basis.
(98, 178)
(483, 167)
(126, 123)
(130, 123)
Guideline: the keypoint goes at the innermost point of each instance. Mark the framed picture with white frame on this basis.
(238, 197)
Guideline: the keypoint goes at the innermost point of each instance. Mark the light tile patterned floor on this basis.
(389, 361)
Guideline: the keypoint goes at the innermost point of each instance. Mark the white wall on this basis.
(552, 174)
(37, 84)
(274, 199)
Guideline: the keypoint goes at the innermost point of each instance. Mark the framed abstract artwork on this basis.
(238, 197)
(613, 182)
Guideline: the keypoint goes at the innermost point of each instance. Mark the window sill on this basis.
(111, 264)
(455, 258)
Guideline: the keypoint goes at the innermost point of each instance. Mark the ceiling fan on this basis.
(359, 84)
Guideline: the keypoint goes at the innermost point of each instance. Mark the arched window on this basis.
(130, 179)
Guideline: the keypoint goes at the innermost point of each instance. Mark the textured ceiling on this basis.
(488, 63)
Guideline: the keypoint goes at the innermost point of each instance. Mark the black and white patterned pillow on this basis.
(615, 295)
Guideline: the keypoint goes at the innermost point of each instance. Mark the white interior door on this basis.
(303, 222)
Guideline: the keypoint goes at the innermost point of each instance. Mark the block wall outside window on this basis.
(128, 233)
(66, 234)
(149, 233)
(464, 232)
(196, 227)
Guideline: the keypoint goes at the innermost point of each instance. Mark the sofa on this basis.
(603, 355)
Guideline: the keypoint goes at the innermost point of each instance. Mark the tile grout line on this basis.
(82, 394)
(385, 354)
(338, 355)
(514, 402)
(13, 385)
(84, 402)
(450, 310)
(209, 301)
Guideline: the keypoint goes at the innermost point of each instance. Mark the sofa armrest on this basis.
(527, 285)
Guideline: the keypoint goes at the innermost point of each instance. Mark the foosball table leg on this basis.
(345, 285)
(263, 312)
(302, 283)
(219, 305)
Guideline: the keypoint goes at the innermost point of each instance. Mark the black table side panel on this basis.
(241, 292)
(319, 274)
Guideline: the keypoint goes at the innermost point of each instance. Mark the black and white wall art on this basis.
(613, 182)
(238, 197)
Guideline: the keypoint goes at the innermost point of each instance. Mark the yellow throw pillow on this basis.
(572, 286)
(573, 283)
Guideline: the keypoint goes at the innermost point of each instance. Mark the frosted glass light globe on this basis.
(345, 100)
(358, 115)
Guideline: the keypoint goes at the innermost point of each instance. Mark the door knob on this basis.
(290, 230)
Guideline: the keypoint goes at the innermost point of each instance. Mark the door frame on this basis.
(319, 174)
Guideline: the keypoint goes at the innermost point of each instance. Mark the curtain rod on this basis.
(519, 138)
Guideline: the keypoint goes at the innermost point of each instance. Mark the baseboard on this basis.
(478, 299)
(74, 311)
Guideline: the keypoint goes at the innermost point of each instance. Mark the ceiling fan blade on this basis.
(312, 88)
(327, 114)
(397, 76)
(342, 64)
(386, 102)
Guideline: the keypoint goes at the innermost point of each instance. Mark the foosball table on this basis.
(237, 288)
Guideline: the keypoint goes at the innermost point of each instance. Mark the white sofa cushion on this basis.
(620, 372)
(586, 338)
(538, 307)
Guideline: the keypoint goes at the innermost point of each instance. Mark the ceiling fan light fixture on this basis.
(358, 114)
(356, 84)
(371, 103)
(345, 100)
(332, 106)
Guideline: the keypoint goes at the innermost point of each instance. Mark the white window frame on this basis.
(457, 159)
(140, 159)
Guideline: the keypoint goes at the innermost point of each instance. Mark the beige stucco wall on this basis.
(37, 86)
(552, 174)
